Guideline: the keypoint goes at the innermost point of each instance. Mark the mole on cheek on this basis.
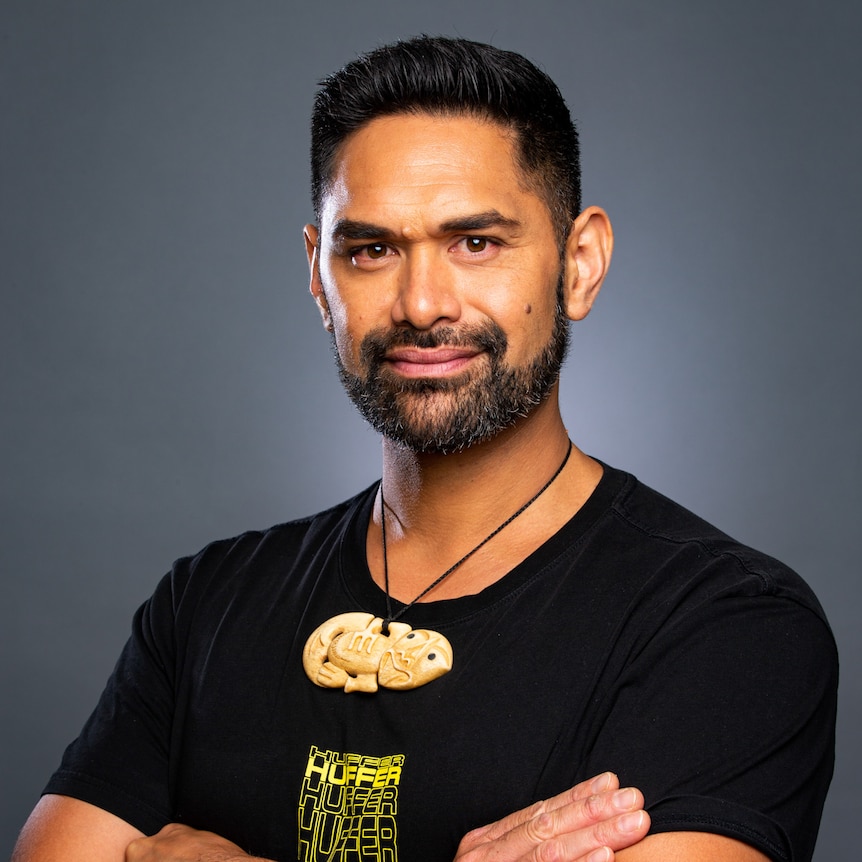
(528, 308)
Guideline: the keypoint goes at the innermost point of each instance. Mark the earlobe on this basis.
(312, 251)
(588, 255)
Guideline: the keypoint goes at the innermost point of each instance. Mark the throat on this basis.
(477, 567)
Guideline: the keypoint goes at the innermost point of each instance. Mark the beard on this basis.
(448, 415)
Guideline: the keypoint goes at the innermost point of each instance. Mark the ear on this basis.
(312, 250)
(587, 258)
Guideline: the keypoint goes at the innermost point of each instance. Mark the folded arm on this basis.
(595, 817)
(593, 822)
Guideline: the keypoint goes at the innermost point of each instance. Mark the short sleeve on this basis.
(121, 760)
(725, 720)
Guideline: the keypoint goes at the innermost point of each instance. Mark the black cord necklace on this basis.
(359, 652)
(390, 617)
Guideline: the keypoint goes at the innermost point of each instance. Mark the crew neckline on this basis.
(367, 596)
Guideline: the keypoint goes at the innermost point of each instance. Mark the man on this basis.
(502, 617)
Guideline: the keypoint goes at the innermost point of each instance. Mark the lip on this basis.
(435, 362)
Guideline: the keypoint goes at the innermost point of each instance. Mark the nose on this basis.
(427, 292)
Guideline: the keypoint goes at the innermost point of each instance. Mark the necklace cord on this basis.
(390, 617)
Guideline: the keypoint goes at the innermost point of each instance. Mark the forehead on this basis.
(421, 168)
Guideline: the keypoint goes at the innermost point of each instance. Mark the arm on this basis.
(62, 828)
(728, 725)
(690, 847)
(587, 822)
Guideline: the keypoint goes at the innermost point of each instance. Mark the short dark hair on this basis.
(442, 76)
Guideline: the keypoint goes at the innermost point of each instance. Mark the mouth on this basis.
(444, 361)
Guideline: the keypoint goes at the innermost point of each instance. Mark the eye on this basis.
(476, 243)
(365, 256)
(479, 247)
(374, 251)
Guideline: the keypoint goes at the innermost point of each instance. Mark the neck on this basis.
(430, 490)
(439, 506)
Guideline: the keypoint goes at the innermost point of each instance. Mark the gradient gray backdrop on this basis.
(165, 379)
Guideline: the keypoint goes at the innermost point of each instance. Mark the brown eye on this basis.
(476, 243)
(375, 251)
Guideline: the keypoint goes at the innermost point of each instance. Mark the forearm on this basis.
(180, 843)
(62, 829)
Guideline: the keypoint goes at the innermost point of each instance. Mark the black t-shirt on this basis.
(638, 639)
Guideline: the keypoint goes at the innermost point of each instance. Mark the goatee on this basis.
(448, 415)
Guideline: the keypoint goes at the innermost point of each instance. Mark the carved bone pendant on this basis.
(350, 651)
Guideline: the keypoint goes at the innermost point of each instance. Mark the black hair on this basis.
(442, 76)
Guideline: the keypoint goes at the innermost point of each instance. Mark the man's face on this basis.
(439, 271)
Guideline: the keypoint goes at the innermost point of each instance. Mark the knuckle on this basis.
(550, 851)
(468, 844)
(594, 807)
(538, 808)
(540, 828)
(606, 832)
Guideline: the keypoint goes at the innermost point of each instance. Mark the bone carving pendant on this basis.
(350, 651)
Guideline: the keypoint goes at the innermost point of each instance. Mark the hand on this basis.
(179, 843)
(584, 824)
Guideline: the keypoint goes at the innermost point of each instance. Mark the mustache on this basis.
(486, 337)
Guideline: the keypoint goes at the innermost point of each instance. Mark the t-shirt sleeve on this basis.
(725, 720)
(120, 762)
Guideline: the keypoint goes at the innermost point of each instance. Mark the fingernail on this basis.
(625, 800)
(603, 854)
(632, 822)
(602, 782)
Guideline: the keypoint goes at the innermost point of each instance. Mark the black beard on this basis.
(448, 415)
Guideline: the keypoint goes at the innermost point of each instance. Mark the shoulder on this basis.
(691, 553)
(720, 692)
(257, 560)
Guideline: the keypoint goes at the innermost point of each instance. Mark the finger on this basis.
(572, 826)
(596, 843)
(583, 825)
(607, 782)
(604, 783)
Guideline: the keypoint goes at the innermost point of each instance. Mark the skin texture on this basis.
(421, 274)
(61, 828)
(690, 847)
(396, 250)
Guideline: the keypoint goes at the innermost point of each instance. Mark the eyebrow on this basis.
(479, 221)
(357, 230)
(346, 228)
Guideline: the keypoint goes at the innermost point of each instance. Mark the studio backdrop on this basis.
(166, 380)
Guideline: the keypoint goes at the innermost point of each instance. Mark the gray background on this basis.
(165, 380)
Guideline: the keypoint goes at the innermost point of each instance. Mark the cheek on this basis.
(531, 331)
(346, 322)
(346, 340)
(350, 325)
